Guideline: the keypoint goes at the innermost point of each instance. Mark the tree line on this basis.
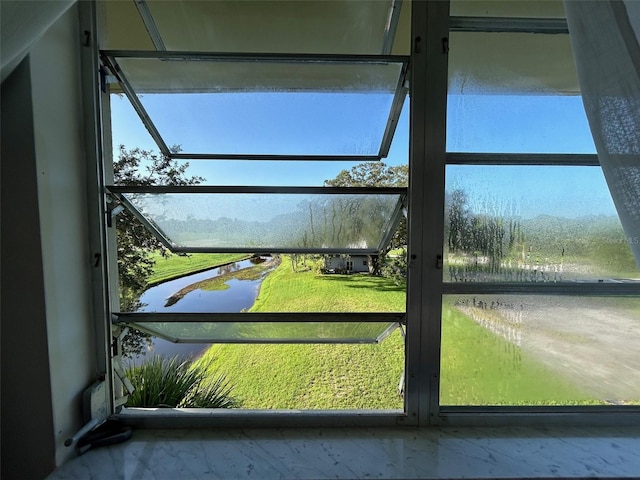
(487, 238)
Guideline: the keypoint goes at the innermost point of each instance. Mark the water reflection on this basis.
(234, 296)
(213, 291)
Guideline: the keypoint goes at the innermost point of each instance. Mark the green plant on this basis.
(176, 382)
(395, 267)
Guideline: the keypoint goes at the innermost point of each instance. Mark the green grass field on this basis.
(481, 368)
(314, 376)
(287, 291)
(478, 367)
(174, 266)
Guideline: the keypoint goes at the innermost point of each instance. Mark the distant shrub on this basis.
(395, 267)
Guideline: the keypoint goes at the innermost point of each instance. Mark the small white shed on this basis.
(346, 264)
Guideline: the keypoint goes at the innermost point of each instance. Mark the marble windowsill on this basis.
(392, 453)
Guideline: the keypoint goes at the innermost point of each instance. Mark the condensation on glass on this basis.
(312, 26)
(324, 221)
(514, 93)
(540, 350)
(533, 224)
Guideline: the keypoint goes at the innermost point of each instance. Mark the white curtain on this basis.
(605, 40)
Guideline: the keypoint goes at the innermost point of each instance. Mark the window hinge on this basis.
(439, 262)
(113, 211)
(106, 79)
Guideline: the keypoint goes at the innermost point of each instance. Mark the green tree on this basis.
(371, 174)
(379, 174)
(135, 242)
(479, 235)
(458, 221)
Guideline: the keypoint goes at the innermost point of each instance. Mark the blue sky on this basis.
(128, 130)
(518, 124)
(273, 122)
(483, 123)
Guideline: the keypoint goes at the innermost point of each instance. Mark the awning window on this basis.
(266, 328)
(265, 107)
(267, 220)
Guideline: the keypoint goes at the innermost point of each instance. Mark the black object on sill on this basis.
(110, 432)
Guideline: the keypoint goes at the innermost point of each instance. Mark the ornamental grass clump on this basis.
(177, 382)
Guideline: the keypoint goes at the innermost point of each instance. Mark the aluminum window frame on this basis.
(423, 317)
(523, 415)
(138, 319)
(109, 59)
(508, 25)
(119, 192)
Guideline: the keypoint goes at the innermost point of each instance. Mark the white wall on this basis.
(61, 270)
(22, 24)
(27, 422)
(58, 122)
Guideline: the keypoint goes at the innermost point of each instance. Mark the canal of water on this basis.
(190, 294)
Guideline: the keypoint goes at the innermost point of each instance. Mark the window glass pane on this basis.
(514, 93)
(540, 350)
(508, 8)
(268, 108)
(351, 26)
(254, 222)
(128, 130)
(270, 332)
(533, 224)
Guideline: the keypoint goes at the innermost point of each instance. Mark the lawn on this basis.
(481, 368)
(313, 376)
(317, 376)
(478, 367)
(174, 266)
(287, 291)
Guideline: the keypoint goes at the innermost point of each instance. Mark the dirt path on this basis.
(594, 342)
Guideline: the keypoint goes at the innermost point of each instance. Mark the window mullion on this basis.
(426, 206)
